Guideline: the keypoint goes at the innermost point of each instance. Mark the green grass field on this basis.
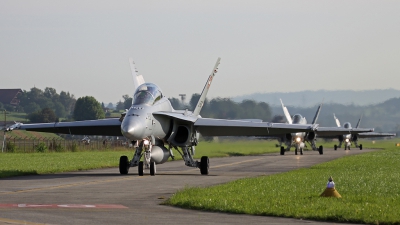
(15, 164)
(369, 185)
(14, 116)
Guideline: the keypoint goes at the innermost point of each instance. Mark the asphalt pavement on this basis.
(104, 196)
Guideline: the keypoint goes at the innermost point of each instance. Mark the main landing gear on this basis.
(186, 153)
(320, 150)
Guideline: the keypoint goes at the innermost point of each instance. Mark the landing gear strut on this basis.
(187, 153)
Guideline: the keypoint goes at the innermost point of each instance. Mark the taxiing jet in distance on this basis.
(349, 138)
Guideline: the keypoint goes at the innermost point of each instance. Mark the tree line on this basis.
(47, 105)
(226, 108)
(43, 106)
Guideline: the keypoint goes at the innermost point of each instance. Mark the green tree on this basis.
(127, 101)
(60, 109)
(110, 105)
(176, 103)
(68, 101)
(88, 108)
(120, 106)
(32, 107)
(45, 116)
(193, 101)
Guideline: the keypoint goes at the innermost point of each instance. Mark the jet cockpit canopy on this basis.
(147, 94)
(347, 125)
(297, 118)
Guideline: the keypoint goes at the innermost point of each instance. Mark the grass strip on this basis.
(16, 164)
(369, 185)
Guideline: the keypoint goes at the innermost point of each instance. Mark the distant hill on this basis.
(312, 98)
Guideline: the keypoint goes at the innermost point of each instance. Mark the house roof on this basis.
(7, 95)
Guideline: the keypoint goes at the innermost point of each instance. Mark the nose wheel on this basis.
(140, 168)
(152, 168)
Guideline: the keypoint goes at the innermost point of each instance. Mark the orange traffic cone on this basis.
(330, 190)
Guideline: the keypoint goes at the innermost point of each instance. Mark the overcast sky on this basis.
(266, 46)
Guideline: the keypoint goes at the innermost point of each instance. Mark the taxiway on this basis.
(104, 196)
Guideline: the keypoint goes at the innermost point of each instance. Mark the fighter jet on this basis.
(349, 138)
(155, 128)
(297, 140)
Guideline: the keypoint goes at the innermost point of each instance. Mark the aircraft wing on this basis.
(104, 127)
(220, 127)
(335, 131)
(375, 134)
(185, 115)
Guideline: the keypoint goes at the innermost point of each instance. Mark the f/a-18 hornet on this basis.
(298, 140)
(154, 127)
(349, 138)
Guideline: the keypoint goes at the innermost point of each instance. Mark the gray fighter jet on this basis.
(297, 140)
(349, 138)
(155, 128)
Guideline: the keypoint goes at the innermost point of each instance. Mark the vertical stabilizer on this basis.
(137, 79)
(203, 95)
(317, 114)
(336, 120)
(359, 121)
(286, 112)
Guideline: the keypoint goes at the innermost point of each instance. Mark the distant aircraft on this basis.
(297, 140)
(348, 138)
(151, 123)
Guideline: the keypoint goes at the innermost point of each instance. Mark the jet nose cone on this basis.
(132, 130)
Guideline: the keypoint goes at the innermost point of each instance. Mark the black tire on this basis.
(335, 147)
(152, 168)
(204, 165)
(282, 150)
(295, 151)
(140, 168)
(360, 147)
(123, 164)
(321, 150)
